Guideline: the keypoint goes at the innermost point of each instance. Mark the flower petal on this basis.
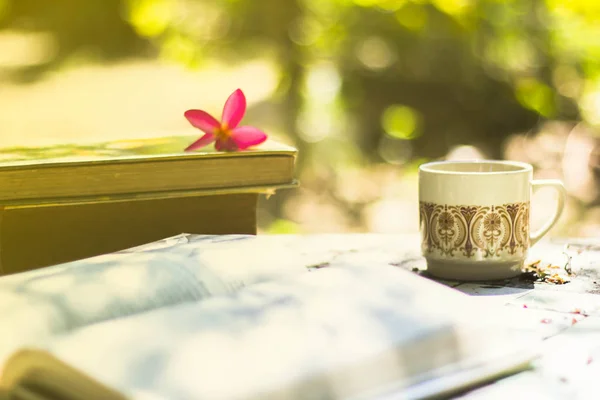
(246, 136)
(234, 109)
(202, 120)
(203, 141)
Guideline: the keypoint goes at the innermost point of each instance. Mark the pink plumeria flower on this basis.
(227, 135)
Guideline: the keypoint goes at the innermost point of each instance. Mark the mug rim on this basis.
(429, 167)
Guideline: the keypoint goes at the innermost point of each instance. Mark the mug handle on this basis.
(562, 196)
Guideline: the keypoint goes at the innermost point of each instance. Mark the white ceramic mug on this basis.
(474, 217)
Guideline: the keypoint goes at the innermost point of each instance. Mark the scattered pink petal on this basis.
(202, 120)
(234, 110)
(546, 321)
(524, 305)
(246, 136)
(589, 360)
(203, 141)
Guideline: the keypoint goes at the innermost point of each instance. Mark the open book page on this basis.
(38, 304)
(335, 332)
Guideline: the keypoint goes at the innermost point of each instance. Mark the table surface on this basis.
(564, 309)
(561, 308)
(560, 304)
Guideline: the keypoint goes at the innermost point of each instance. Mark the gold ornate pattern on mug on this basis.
(464, 231)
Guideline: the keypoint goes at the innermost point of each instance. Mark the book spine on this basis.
(35, 237)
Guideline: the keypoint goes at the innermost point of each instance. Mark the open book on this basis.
(242, 317)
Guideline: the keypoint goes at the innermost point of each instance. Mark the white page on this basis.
(331, 333)
(38, 304)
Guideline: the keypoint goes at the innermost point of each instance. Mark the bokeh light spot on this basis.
(536, 96)
(401, 122)
(150, 18)
(374, 53)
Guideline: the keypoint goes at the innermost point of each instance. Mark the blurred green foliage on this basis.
(468, 68)
(361, 82)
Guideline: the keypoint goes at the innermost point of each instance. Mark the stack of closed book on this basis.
(70, 202)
